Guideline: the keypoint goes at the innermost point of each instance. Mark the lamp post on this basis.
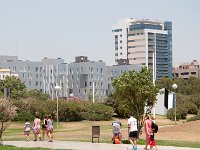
(174, 86)
(57, 89)
(93, 92)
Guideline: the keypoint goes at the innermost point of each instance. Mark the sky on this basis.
(34, 29)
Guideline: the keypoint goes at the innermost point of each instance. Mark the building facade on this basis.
(29, 72)
(187, 70)
(55, 72)
(87, 78)
(83, 78)
(146, 43)
(43, 76)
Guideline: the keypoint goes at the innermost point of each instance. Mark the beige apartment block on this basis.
(187, 70)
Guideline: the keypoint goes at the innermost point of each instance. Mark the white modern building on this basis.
(165, 101)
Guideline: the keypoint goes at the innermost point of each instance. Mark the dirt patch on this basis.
(189, 131)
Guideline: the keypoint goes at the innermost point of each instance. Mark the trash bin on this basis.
(95, 133)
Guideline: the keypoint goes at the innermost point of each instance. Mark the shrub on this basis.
(192, 108)
(181, 113)
(97, 112)
(197, 117)
(71, 111)
(24, 115)
(171, 114)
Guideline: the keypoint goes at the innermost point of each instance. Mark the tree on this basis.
(7, 114)
(17, 88)
(36, 94)
(133, 91)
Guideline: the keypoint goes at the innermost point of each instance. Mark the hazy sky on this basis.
(34, 29)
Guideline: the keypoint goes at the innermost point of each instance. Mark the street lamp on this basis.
(174, 86)
(57, 89)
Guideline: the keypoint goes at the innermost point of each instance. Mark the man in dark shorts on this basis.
(133, 131)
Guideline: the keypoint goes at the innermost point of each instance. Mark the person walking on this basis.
(44, 127)
(133, 131)
(27, 129)
(148, 130)
(50, 128)
(36, 128)
(117, 132)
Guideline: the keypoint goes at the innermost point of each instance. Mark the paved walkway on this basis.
(84, 145)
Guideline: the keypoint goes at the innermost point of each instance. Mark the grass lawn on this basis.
(20, 148)
(168, 134)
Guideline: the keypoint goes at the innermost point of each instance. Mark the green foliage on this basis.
(7, 114)
(181, 113)
(17, 88)
(197, 117)
(36, 94)
(133, 91)
(185, 87)
(22, 116)
(97, 112)
(70, 110)
(192, 108)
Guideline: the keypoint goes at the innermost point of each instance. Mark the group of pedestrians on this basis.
(133, 132)
(47, 128)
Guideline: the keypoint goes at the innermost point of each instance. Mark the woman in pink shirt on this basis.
(147, 130)
(36, 128)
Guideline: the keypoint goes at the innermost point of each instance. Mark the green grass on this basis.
(169, 143)
(178, 143)
(20, 148)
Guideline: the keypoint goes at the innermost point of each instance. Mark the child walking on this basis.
(152, 142)
(27, 129)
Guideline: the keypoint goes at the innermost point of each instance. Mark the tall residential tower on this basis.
(146, 43)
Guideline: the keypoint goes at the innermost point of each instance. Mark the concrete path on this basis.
(85, 145)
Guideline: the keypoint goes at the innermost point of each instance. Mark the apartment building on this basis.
(187, 70)
(6, 72)
(55, 72)
(43, 76)
(87, 78)
(82, 78)
(29, 72)
(144, 42)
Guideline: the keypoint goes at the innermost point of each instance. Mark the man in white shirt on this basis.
(133, 131)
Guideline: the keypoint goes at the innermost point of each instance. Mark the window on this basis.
(36, 69)
(29, 68)
(36, 83)
(120, 47)
(14, 69)
(120, 41)
(121, 53)
(120, 35)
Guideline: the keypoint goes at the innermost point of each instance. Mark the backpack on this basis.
(154, 127)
